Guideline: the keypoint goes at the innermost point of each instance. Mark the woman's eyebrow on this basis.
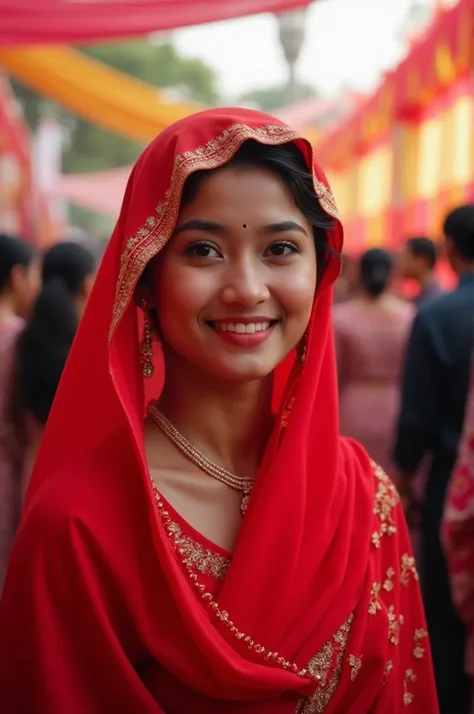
(197, 224)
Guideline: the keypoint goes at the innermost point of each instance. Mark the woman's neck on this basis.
(230, 421)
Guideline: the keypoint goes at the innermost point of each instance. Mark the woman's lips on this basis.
(244, 332)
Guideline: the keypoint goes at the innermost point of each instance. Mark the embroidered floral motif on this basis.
(374, 605)
(388, 584)
(386, 499)
(326, 668)
(419, 651)
(410, 677)
(408, 568)
(197, 556)
(355, 663)
(157, 229)
(394, 624)
(387, 670)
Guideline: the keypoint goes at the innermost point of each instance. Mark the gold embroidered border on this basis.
(319, 667)
(197, 556)
(157, 229)
(386, 499)
(326, 667)
(222, 616)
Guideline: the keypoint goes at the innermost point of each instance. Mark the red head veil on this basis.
(305, 576)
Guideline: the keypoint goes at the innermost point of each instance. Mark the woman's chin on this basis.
(241, 369)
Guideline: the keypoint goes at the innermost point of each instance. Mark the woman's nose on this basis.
(245, 284)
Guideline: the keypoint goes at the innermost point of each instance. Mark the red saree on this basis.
(319, 609)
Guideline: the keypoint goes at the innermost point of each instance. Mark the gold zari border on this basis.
(326, 666)
(198, 556)
(319, 667)
(158, 228)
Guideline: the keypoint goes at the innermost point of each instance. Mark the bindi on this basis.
(244, 225)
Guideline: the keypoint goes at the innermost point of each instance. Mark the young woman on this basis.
(44, 344)
(19, 282)
(230, 552)
(371, 333)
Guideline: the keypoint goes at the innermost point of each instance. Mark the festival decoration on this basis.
(28, 22)
(411, 144)
(93, 90)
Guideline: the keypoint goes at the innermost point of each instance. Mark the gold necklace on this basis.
(238, 483)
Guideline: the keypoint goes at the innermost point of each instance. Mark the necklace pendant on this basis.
(244, 502)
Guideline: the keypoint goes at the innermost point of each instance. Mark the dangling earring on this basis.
(146, 346)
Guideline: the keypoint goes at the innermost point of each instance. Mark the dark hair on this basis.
(13, 251)
(459, 228)
(376, 266)
(44, 344)
(423, 247)
(288, 162)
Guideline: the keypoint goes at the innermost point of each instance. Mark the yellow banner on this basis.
(94, 91)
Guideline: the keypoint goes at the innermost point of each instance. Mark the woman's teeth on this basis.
(242, 328)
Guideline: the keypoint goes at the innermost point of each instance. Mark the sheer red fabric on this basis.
(319, 609)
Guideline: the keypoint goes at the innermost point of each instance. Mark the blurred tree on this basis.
(271, 98)
(89, 147)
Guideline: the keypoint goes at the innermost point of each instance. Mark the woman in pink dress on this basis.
(19, 282)
(371, 331)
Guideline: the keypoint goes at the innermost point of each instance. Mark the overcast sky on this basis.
(348, 42)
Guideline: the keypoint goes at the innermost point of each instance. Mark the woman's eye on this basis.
(282, 248)
(202, 250)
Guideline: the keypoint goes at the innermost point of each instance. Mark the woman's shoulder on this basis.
(380, 489)
(99, 496)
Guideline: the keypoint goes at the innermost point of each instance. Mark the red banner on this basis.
(28, 22)
(438, 61)
(444, 56)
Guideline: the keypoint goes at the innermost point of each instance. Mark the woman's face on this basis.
(234, 287)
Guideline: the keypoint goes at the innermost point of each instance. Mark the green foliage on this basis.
(92, 148)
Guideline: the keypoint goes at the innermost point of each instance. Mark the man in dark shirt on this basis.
(417, 262)
(434, 395)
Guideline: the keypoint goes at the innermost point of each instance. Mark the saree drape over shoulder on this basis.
(111, 605)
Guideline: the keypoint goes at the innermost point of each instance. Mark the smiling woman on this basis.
(227, 552)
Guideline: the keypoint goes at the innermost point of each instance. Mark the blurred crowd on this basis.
(42, 298)
(404, 365)
(404, 374)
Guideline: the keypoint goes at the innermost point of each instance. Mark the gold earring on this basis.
(146, 347)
